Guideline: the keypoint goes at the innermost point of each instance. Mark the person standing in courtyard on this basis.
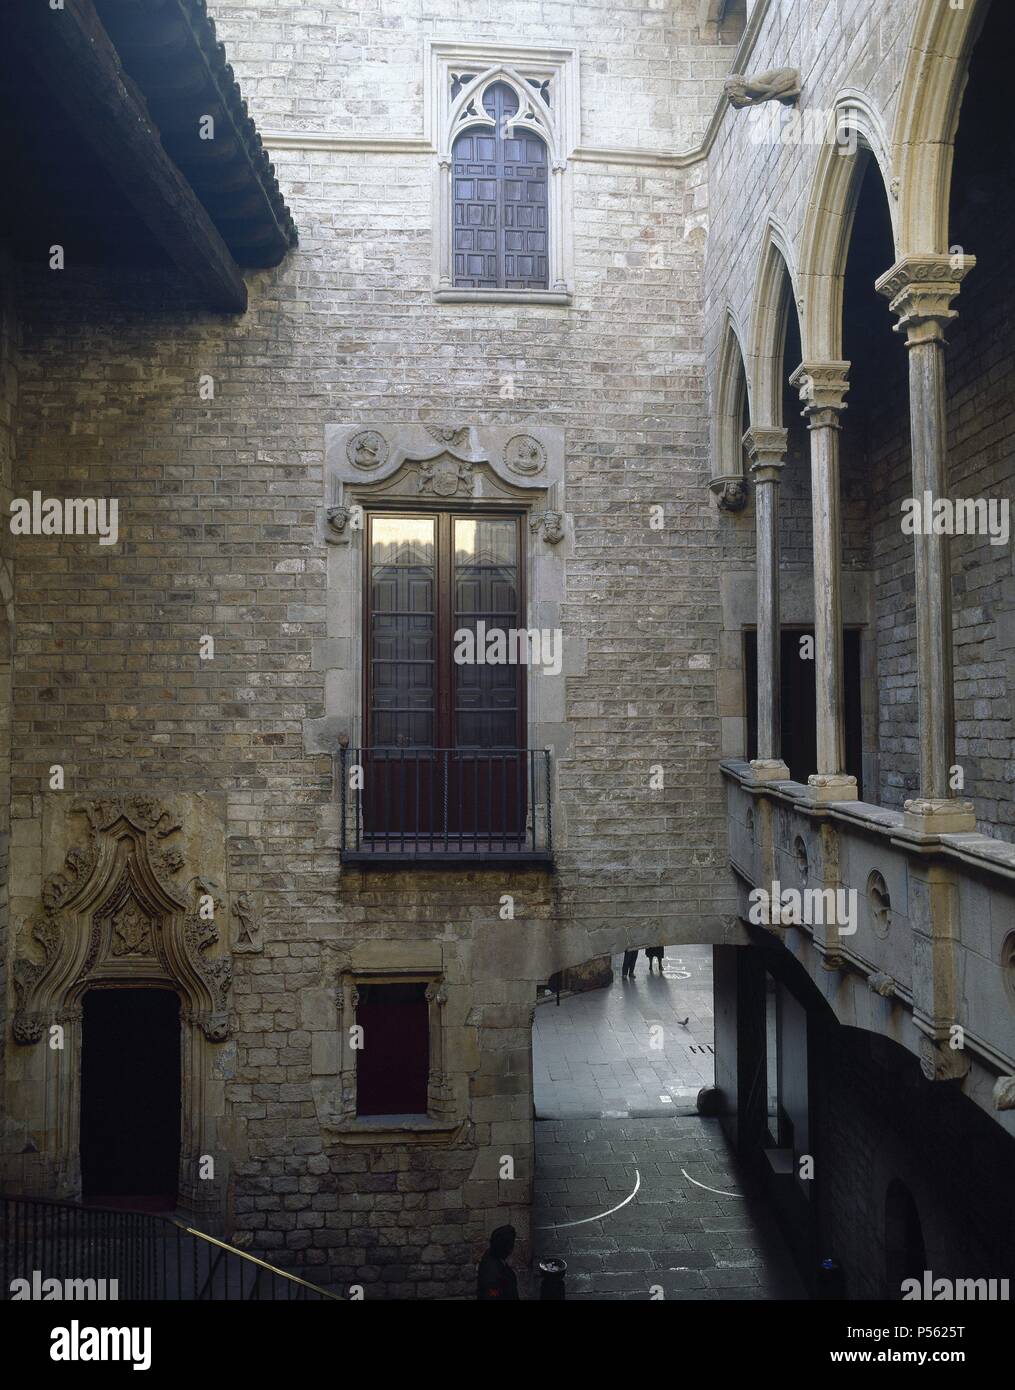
(655, 953)
(630, 961)
(496, 1281)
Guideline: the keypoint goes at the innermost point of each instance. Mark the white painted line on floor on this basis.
(559, 1225)
(709, 1189)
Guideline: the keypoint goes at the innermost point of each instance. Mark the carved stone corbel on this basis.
(881, 983)
(337, 519)
(730, 491)
(941, 1062)
(1004, 1093)
(548, 525)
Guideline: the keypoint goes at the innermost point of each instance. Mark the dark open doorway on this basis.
(130, 1098)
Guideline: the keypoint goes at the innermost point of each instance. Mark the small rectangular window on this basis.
(393, 1062)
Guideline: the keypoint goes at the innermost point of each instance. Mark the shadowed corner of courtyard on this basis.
(636, 1191)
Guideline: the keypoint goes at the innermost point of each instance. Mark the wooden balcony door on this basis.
(444, 736)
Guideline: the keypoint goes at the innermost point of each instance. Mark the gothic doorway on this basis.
(130, 1098)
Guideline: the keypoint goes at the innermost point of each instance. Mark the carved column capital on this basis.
(823, 387)
(766, 448)
(920, 290)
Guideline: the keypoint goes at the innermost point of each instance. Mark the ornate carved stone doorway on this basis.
(122, 914)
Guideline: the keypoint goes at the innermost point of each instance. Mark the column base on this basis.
(939, 816)
(824, 787)
(769, 770)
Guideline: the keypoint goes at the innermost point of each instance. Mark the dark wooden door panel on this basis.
(500, 198)
(441, 755)
(392, 1067)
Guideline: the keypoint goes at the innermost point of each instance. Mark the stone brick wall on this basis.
(218, 516)
(9, 349)
(649, 77)
(875, 1120)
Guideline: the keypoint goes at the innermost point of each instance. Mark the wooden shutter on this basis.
(500, 200)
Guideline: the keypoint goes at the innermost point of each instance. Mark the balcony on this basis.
(907, 935)
(445, 806)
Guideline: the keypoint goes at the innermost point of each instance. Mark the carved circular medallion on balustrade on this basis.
(880, 904)
(802, 861)
(1008, 964)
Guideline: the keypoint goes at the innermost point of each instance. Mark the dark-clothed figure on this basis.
(630, 961)
(495, 1279)
(655, 953)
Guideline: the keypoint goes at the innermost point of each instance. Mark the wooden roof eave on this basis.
(76, 59)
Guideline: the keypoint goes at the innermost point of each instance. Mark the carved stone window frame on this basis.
(444, 1119)
(559, 125)
(472, 468)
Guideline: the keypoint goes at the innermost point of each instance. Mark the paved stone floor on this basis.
(602, 1053)
(613, 1111)
(673, 1235)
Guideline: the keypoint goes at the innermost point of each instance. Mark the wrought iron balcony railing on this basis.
(402, 805)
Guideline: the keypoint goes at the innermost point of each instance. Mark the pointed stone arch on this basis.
(776, 296)
(467, 109)
(927, 119)
(117, 914)
(732, 393)
(828, 221)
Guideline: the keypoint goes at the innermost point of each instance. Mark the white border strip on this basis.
(559, 1225)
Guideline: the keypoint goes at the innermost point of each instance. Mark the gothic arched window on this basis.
(500, 200)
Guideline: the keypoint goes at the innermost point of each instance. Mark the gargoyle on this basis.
(781, 84)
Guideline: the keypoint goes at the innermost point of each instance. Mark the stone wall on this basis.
(219, 535)
(875, 1120)
(9, 348)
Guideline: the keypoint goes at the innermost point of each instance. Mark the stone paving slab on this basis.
(597, 1054)
(674, 1235)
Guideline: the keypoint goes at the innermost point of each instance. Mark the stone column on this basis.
(559, 205)
(823, 387)
(445, 232)
(766, 448)
(920, 290)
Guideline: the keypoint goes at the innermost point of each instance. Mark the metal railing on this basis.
(147, 1255)
(435, 803)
